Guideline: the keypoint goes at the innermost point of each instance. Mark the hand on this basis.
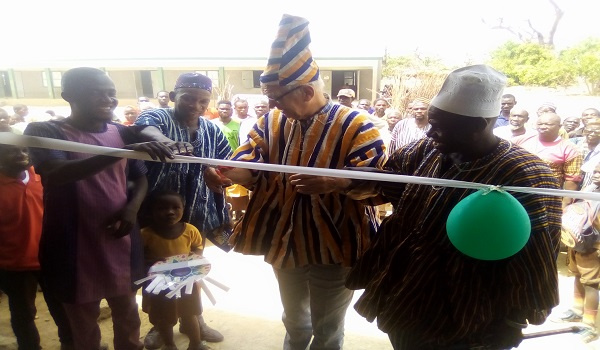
(181, 148)
(122, 222)
(156, 149)
(215, 180)
(310, 184)
(503, 336)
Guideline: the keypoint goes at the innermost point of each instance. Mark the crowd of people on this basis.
(87, 227)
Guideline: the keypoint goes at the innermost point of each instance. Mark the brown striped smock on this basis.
(292, 229)
(419, 286)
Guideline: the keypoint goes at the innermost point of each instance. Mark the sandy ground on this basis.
(249, 314)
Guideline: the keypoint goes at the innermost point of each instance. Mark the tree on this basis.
(585, 59)
(530, 33)
(392, 66)
(532, 64)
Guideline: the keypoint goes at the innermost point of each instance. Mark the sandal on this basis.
(201, 346)
(588, 334)
(569, 316)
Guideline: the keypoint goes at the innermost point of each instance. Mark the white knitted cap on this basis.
(473, 91)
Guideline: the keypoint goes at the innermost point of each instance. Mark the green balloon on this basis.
(488, 226)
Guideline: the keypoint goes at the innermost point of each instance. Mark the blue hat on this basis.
(194, 80)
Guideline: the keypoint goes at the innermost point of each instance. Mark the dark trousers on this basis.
(21, 288)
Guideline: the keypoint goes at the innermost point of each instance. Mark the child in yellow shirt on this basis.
(166, 236)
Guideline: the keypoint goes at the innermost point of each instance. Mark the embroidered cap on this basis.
(473, 91)
(421, 100)
(194, 80)
(290, 62)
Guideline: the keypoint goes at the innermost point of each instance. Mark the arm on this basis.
(59, 172)
(152, 133)
(572, 171)
(528, 280)
(569, 185)
(124, 220)
(366, 150)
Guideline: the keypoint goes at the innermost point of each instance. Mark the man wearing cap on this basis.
(204, 208)
(424, 292)
(305, 226)
(411, 129)
(345, 97)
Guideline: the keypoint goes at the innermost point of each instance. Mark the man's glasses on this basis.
(280, 97)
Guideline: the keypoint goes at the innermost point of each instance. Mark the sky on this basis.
(41, 30)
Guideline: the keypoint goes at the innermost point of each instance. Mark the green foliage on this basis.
(532, 64)
(585, 60)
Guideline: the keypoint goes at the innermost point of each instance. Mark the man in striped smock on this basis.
(424, 292)
(305, 226)
(204, 208)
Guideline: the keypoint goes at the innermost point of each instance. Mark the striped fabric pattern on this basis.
(417, 284)
(290, 61)
(292, 229)
(405, 132)
(204, 208)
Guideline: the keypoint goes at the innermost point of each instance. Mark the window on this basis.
(56, 78)
(349, 78)
(256, 78)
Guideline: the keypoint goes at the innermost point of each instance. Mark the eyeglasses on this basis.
(280, 97)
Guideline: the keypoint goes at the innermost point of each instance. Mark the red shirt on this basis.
(21, 212)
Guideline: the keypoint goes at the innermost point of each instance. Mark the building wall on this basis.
(171, 77)
(30, 84)
(326, 75)
(241, 82)
(28, 81)
(125, 83)
(365, 84)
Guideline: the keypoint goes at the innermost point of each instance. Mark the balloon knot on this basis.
(491, 188)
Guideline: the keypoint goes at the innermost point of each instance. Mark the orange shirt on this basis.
(21, 212)
(211, 113)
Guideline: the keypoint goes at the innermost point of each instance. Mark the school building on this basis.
(22, 82)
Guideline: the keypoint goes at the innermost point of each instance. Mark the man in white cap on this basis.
(345, 97)
(305, 226)
(411, 129)
(424, 292)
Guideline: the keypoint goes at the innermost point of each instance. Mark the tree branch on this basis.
(558, 13)
(536, 33)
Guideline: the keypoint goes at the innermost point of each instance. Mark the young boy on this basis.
(167, 236)
(21, 205)
(586, 268)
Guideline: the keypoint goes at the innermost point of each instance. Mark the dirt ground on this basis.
(249, 313)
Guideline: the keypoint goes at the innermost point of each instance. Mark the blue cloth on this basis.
(501, 121)
(203, 208)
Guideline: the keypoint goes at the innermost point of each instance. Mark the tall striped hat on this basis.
(290, 62)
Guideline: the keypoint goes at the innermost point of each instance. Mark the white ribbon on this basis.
(69, 146)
